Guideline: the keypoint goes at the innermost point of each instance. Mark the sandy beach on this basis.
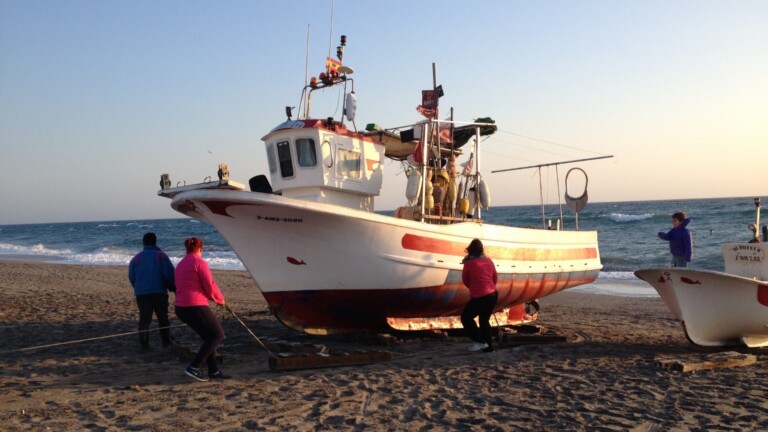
(604, 377)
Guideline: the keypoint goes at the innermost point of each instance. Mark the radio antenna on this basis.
(306, 62)
(330, 35)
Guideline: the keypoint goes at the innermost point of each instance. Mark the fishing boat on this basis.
(720, 308)
(326, 262)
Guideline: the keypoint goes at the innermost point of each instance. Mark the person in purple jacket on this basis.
(151, 274)
(679, 238)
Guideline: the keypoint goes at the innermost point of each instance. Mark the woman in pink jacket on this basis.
(195, 287)
(480, 276)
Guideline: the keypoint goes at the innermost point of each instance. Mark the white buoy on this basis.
(413, 189)
(485, 195)
(472, 203)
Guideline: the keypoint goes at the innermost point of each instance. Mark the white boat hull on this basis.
(325, 268)
(716, 308)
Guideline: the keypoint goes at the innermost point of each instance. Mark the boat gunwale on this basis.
(251, 197)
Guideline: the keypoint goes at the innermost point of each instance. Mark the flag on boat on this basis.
(428, 107)
(426, 112)
(332, 65)
(429, 99)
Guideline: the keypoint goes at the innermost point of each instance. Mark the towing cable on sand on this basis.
(226, 306)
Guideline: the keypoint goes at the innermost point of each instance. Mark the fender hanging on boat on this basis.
(485, 195)
(413, 189)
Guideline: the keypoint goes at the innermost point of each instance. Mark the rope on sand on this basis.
(271, 354)
(87, 340)
(226, 306)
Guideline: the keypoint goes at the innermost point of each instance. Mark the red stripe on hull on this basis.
(218, 207)
(446, 247)
(762, 294)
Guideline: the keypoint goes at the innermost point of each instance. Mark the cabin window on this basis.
(305, 152)
(271, 158)
(348, 163)
(284, 157)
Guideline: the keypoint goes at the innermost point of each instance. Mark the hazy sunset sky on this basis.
(98, 98)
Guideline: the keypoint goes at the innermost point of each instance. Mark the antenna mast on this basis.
(306, 61)
(330, 34)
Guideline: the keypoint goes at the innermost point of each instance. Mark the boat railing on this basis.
(445, 207)
(306, 92)
(448, 220)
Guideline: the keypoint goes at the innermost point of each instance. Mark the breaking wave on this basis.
(620, 217)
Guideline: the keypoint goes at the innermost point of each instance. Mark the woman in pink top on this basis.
(195, 287)
(480, 276)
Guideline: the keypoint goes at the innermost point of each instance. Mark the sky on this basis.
(99, 98)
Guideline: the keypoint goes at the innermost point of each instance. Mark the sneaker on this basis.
(219, 375)
(477, 346)
(195, 373)
(489, 349)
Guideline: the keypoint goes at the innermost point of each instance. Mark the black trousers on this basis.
(157, 304)
(203, 321)
(481, 307)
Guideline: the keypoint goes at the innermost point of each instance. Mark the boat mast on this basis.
(436, 117)
(425, 133)
(306, 61)
(757, 222)
(330, 33)
(477, 173)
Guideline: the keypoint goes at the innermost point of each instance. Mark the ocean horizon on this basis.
(627, 235)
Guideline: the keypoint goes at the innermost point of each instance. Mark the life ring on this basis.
(576, 204)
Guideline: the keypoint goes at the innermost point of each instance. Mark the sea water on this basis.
(627, 236)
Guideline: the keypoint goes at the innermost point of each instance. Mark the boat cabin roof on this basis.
(327, 124)
(396, 148)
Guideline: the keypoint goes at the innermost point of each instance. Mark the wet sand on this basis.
(604, 377)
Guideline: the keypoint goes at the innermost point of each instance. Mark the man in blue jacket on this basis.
(151, 274)
(679, 238)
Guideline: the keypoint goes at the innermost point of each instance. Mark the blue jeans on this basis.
(679, 261)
